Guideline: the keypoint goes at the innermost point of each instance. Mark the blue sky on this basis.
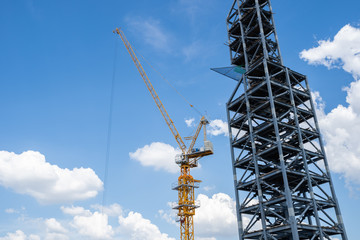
(57, 62)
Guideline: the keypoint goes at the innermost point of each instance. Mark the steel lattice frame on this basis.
(186, 206)
(282, 179)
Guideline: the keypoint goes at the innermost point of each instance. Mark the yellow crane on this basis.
(186, 160)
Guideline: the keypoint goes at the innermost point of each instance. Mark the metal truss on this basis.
(283, 185)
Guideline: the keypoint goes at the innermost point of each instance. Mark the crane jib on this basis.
(152, 91)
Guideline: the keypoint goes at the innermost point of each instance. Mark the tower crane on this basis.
(188, 158)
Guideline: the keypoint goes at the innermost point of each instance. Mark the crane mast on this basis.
(186, 184)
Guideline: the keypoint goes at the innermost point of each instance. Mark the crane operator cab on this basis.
(206, 150)
(193, 154)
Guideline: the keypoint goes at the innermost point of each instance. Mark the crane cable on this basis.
(172, 86)
(108, 141)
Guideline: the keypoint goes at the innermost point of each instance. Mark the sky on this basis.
(58, 60)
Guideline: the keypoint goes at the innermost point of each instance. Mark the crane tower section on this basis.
(282, 179)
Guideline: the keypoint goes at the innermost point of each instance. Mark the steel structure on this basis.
(282, 179)
(189, 158)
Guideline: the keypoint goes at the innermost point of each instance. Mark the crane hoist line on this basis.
(188, 159)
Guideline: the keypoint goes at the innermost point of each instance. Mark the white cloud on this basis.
(56, 236)
(341, 126)
(216, 216)
(190, 122)
(87, 224)
(94, 226)
(138, 228)
(151, 31)
(29, 173)
(19, 235)
(75, 211)
(112, 210)
(10, 210)
(218, 127)
(52, 225)
(209, 188)
(343, 51)
(341, 131)
(160, 156)
(169, 215)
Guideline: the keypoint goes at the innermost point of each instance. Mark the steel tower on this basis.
(282, 179)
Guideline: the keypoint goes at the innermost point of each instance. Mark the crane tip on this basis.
(116, 30)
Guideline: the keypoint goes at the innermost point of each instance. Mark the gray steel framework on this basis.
(281, 175)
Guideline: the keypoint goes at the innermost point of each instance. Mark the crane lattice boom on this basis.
(152, 91)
